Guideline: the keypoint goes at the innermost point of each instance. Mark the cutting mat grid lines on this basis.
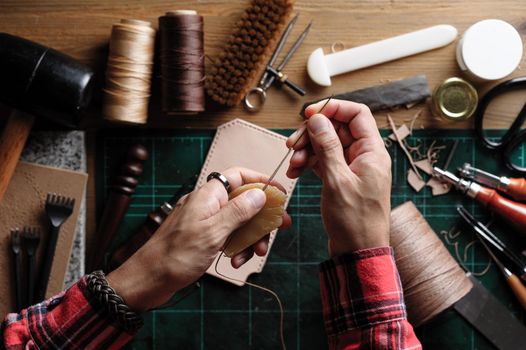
(223, 316)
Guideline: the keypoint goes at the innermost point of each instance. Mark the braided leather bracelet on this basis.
(113, 303)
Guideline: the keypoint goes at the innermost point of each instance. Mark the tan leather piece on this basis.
(24, 205)
(240, 143)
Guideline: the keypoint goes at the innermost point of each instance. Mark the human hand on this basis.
(188, 241)
(344, 148)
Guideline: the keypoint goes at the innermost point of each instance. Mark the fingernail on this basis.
(257, 197)
(318, 124)
(296, 134)
(241, 260)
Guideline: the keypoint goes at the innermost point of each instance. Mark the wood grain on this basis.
(81, 28)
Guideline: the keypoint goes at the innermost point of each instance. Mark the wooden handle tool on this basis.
(119, 199)
(513, 187)
(12, 143)
(153, 221)
(513, 281)
(511, 211)
(517, 189)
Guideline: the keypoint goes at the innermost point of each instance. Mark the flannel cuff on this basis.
(361, 289)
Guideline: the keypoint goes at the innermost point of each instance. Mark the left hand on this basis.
(188, 241)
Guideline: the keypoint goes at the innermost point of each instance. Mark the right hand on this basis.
(344, 148)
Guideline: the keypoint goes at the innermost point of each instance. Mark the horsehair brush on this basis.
(247, 50)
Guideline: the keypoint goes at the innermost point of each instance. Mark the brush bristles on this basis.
(247, 50)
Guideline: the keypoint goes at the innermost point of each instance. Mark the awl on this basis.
(513, 187)
(511, 211)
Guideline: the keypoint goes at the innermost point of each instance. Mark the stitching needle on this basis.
(291, 149)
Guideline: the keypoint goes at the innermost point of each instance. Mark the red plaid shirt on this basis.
(363, 302)
(362, 305)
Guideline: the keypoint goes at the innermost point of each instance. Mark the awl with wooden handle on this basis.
(513, 281)
(511, 211)
(513, 187)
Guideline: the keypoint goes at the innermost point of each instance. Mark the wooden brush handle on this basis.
(511, 211)
(12, 143)
(517, 189)
(119, 199)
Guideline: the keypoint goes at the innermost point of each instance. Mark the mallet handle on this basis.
(12, 143)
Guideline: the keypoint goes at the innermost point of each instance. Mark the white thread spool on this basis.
(489, 50)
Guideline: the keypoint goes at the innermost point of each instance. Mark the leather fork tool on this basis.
(31, 237)
(16, 250)
(58, 210)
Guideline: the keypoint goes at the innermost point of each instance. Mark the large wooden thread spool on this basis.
(432, 280)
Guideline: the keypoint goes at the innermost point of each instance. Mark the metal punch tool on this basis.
(255, 97)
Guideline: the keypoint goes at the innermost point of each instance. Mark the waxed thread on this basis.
(432, 280)
(265, 289)
(129, 72)
(182, 62)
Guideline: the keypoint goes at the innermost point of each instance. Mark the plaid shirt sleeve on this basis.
(363, 303)
(71, 320)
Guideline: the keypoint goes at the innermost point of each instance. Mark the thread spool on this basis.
(432, 280)
(182, 62)
(129, 72)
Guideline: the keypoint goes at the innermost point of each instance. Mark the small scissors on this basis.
(514, 137)
(255, 97)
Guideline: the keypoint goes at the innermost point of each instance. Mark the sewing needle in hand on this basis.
(291, 149)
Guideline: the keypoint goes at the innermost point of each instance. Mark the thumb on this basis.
(240, 210)
(325, 141)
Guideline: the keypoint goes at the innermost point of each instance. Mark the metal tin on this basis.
(454, 99)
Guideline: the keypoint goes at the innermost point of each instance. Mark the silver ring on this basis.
(260, 97)
(218, 176)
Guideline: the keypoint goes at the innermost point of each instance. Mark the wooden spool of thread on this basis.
(182, 62)
(432, 280)
(129, 72)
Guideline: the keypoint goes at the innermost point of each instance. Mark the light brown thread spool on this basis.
(432, 280)
(129, 72)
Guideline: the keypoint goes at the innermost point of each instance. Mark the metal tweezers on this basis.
(270, 74)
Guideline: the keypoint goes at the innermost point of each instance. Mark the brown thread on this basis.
(129, 72)
(449, 237)
(432, 280)
(271, 292)
(182, 62)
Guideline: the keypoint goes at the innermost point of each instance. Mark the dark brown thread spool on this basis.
(432, 280)
(182, 62)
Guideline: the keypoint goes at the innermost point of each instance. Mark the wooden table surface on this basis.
(81, 28)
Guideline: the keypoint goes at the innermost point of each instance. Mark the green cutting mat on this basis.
(222, 316)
